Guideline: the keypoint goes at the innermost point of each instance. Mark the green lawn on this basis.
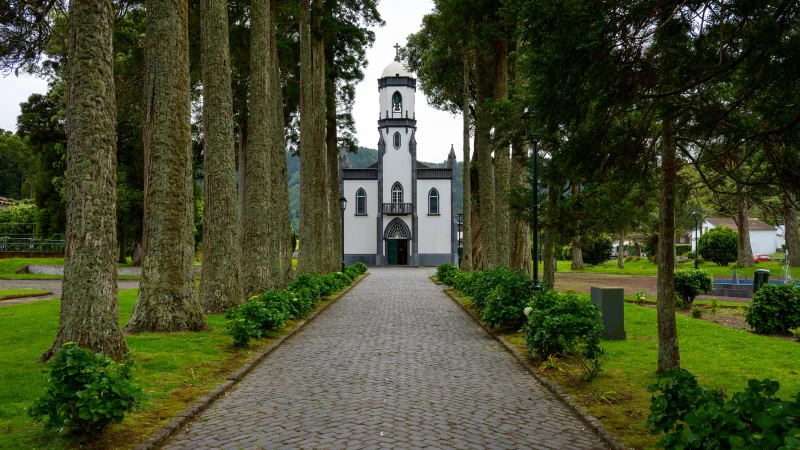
(10, 265)
(175, 368)
(8, 293)
(719, 356)
(645, 267)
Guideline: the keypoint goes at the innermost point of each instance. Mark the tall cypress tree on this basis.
(89, 308)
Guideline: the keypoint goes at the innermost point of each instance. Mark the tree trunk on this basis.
(89, 308)
(791, 230)
(489, 231)
(475, 224)
(621, 250)
(167, 298)
(502, 162)
(241, 169)
(220, 283)
(577, 253)
(742, 211)
(332, 159)
(136, 251)
(314, 214)
(669, 356)
(324, 242)
(554, 192)
(466, 206)
(520, 231)
(281, 271)
(122, 259)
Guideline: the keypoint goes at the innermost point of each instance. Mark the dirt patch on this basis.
(582, 282)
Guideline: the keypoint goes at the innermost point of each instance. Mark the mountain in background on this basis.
(363, 158)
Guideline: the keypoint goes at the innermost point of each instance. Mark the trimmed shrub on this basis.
(692, 417)
(445, 273)
(682, 249)
(690, 283)
(505, 303)
(462, 282)
(483, 283)
(774, 309)
(86, 391)
(567, 325)
(719, 245)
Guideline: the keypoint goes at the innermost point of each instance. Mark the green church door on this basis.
(391, 252)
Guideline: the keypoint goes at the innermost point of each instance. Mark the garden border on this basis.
(612, 441)
(28, 295)
(191, 412)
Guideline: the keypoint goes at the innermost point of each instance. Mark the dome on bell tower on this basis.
(395, 69)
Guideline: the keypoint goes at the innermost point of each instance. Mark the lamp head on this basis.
(342, 203)
(459, 217)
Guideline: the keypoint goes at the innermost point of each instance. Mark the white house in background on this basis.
(763, 237)
(781, 229)
(399, 211)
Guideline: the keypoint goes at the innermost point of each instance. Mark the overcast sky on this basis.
(436, 130)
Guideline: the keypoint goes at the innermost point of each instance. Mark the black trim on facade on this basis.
(436, 173)
(398, 123)
(360, 174)
(397, 81)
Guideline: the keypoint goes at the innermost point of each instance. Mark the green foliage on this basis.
(691, 255)
(697, 312)
(714, 305)
(567, 325)
(598, 251)
(21, 213)
(446, 272)
(690, 283)
(774, 309)
(86, 391)
(462, 282)
(719, 245)
(795, 332)
(482, 285)
(505, 303)
(692, 417)
(16, 165)
(640, 296)
(683, 249)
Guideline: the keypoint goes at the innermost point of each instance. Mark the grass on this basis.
(11, 293)
(174, 368)
(645, 267)
(720, 357)
(10, 265)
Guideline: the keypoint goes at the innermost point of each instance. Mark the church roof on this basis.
(753, 224)
(395, 69)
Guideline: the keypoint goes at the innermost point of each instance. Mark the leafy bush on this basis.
(446, 272)
(565, 324)
(462, 282)
(682, 249)
(690, 283)
(563, 253)
(774, 309)
(598, 251)
(692, 417)
(307, 285)
(361, 267)
(503, 307)
(86, 391)
(640, 297)
(719, 245)
(697, 312)
(795, 332)
(484, 283)
(691, 255)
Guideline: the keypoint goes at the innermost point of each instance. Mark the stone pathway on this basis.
(394, 364)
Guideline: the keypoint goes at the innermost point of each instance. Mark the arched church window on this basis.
(433, 202)
(397, 102)
(361, 202)
(397, 193)
(396, 140)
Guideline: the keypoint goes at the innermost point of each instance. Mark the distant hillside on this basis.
(365, 157)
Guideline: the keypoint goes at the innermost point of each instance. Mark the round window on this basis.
(396, 140)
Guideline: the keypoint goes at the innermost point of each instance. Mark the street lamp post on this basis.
(696, 215)
(534, 140)
(342, 206)
(460, 242)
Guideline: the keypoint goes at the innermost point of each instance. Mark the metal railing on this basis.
(8, 244)
(398, 209)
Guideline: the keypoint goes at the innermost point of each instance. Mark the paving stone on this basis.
(394, 364)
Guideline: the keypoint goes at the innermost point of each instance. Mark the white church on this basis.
(403, 212)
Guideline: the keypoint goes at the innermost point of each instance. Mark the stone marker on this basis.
(611, 303)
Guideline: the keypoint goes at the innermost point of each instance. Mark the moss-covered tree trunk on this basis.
(791, 230)
(466, 206)
(669, 356)
(483, 153)
(520, 229)
(167, 298)
(504, 234)
(326, 213)
(577, 252)
(621, 250)
(332, 147)
(89, 309)
(554, 192)
(121, 238)
(745, 258)
(220, 285)
(281, 271)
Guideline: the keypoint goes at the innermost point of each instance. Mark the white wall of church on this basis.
(360, 232)
(385, 99)
(397, 165)
(435, 231)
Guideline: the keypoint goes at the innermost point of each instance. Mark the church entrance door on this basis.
(397, 252)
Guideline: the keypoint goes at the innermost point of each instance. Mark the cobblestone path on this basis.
(394, 364)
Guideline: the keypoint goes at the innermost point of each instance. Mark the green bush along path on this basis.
(393, 364)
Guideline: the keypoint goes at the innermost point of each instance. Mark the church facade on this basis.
(399, 211)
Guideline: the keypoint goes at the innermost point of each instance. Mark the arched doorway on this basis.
(397, 237)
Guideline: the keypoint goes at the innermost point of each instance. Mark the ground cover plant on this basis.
(689, 416)
(774, 309)
(446, 272)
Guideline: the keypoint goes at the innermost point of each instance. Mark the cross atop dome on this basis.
(396, 52)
